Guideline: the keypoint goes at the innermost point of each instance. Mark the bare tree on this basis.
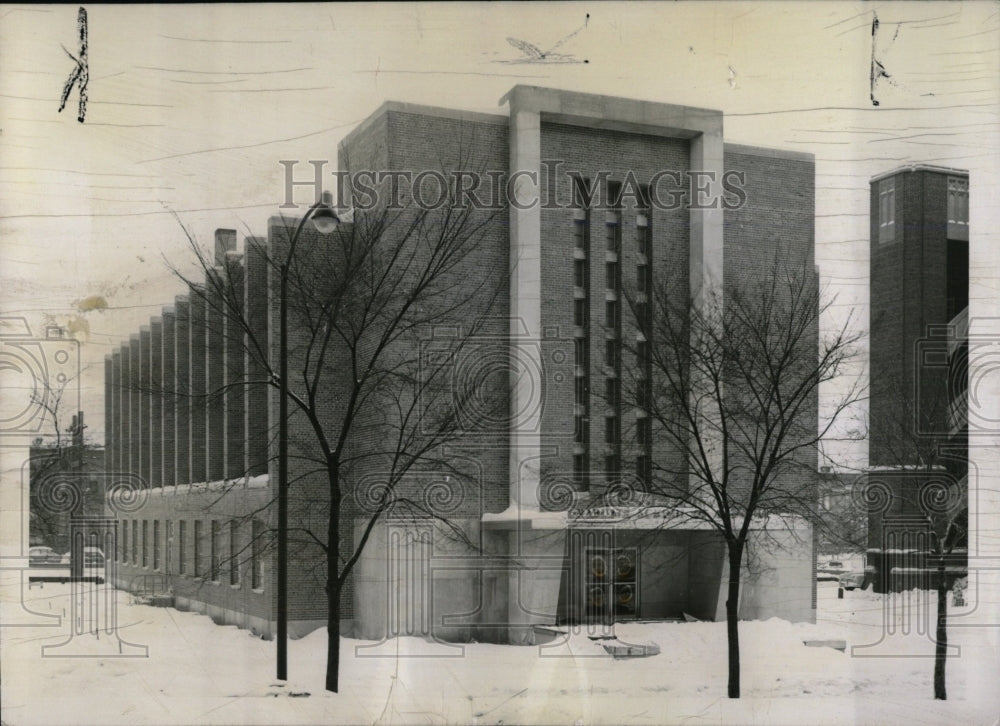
(729, 383)
(926, 469)
(54, 492)
(360, 304)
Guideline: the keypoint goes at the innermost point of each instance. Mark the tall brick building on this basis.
(569, 249)
(919, 329)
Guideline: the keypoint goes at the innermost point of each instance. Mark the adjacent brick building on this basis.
(560, 335)
(919, 329)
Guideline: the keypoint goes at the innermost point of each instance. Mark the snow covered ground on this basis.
(198, 672)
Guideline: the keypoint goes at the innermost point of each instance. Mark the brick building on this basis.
(919, 348)
(206, 451)
(66, 481)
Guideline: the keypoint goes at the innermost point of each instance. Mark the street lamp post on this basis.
(325, 221)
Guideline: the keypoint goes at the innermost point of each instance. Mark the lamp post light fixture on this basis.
(325, 221)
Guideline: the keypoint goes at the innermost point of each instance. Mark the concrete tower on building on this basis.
(919, 350)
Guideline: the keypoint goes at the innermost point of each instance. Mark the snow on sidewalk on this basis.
(199, 672)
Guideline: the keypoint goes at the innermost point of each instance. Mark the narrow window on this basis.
(182, 547)
(156, 544)
(611, 391)
(611, 353)
(887, 209)
(234, 549)
(256, 550)
(612, 275)
(213, 554)
(198, 534)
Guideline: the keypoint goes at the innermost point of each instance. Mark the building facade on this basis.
(66, 481)
(919, 351)
(546, 536)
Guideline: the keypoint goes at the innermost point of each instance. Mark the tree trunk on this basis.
(941, 649)
(732, 619)
(333, 597)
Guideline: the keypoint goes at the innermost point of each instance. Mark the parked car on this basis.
(829, 570)
(851, 580)
(93, 557)
(42, 555)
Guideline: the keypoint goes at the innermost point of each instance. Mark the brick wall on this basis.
(225, 506)
(908, 298)
(772, 234)
(587, 151)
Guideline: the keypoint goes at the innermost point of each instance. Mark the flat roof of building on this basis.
(950, 171)
(613, 112)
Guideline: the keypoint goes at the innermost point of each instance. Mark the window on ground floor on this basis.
(156, 544)
(234, 553)
(182, 547)
(214, 548)
(198, 534)
(256, 552)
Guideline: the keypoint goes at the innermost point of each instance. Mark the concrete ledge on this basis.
(614, 113)
(950, 171)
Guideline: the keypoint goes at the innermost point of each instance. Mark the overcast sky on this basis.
(191, 108)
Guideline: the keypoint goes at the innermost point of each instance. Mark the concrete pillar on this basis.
(215, 373)
(256, 302)
(124, 411)
(525, 304)
(109, 413)
(134, 408)
(168, 437)
(537, 560)
(156, 402)
(236, 393)
(115, 427)
(182, 387)
(199, 428)
(706, 220)
(145, 399)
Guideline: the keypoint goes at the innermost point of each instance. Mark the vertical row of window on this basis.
(612, 334)
(135, 548)
(887, 209)
(958, 200)
(612, 276)
(581, 320)
(644, 285)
